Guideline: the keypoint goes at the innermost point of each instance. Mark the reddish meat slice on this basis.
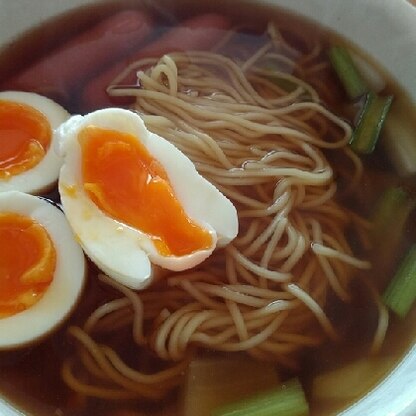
(61, 72)
(197, 33)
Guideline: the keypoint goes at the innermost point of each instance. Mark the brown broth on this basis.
(30, 379)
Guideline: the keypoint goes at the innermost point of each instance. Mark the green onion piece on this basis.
(288, 400)
(389, 219)
(391, 213)
(399, 138)
(401, 292)
(372, 117)
(348, 74)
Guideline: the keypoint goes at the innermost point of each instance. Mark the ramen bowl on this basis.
(383, 31)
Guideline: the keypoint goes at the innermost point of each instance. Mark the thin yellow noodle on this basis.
(92, 390)
(238, 320)
(226, 292)
(103, 310)
(270, 248)
(136, 304)
(201, 297)
(166, 326)
(383, 318)
(91, 366)
(256, 339)
(246, 276)
(111, 372)
(330, 252)
(277, 225)
(315, 308)
(261, 271)
(173, 345)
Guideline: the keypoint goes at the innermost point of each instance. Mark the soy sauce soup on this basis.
(31, 378)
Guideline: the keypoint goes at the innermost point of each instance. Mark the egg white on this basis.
(44, 175)
(122, 252)
(34, 323)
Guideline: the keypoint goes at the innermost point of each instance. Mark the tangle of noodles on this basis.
(265, 293)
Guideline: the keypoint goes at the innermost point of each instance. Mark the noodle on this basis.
(264, 148)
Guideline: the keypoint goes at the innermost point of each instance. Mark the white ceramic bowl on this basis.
(386, 30)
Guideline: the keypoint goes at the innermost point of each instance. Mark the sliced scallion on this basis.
(391, 213)
(401, 292)
(288, 400)
(348, 74)
(370, 123)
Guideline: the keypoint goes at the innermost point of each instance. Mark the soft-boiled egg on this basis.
(134, 200)
(28, 162)
(42, 269)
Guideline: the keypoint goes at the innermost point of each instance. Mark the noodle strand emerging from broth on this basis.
(265, 149)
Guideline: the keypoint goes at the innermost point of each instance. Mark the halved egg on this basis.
(28, 162)
(133, 199)
(42, 269)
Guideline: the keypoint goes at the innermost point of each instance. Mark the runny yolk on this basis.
(25, 136)
(126, 182)
(27, 263)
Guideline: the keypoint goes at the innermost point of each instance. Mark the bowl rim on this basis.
(364, 22)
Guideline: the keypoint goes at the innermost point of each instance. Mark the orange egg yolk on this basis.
(126, 182)
(25, 136)
(27, 263)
